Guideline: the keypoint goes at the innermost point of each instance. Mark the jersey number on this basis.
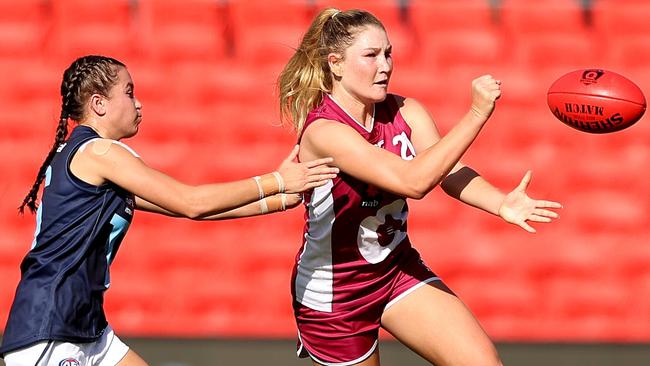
(406, 148)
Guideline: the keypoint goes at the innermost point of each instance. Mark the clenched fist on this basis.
(485, 91)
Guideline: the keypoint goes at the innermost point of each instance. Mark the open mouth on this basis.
(382, 82)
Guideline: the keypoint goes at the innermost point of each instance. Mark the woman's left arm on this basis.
(466, 185)
(276, 203)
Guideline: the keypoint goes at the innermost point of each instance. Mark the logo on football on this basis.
(596, 101)
(591, 76)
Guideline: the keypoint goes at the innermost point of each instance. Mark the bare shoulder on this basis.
(96, 157)
(414, 112)
(104, 151)
(411, 107)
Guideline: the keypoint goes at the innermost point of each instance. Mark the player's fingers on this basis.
(313, 185)
(546, 213)
(321, 177)
(317, 162)
(315, 172)
(525, 181)
(527, 227)
(293, 154)
(485, 77)
(548, 204)
(538, 218)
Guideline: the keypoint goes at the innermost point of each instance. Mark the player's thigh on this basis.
(373, 360)
(434, 323)
(132, 359)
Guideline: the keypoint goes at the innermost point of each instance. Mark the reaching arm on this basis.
(466, 185)
(104, 160)
(385, 170)
(276, 203)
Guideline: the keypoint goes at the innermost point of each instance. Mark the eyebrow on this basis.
(390, 47)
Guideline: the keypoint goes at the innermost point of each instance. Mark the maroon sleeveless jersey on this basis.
(354, 233)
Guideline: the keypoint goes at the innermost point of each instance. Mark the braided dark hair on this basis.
(86, 76)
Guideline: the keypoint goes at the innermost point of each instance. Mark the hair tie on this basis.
(335, 13)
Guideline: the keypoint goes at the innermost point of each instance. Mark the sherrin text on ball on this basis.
(596, 101)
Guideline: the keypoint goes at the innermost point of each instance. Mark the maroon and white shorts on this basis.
(349, 334)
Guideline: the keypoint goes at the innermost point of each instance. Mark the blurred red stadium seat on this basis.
(557, 51)
(24, 81)
(24, 28)
(547, 34)
(270, 38)
(453, 33)
(551, 16)
(476, 49)
(621, 18)
(81, 28)
(178, 30)
(624, 31)
(452, 15)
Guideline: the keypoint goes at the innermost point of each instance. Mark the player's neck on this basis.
(361, 113)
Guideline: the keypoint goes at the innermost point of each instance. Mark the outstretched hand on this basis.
(300, 177)
(517, 208)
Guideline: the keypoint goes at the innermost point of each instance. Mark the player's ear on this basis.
(335, 62)
(97, 104)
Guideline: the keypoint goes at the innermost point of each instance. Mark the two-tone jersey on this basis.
(353, 231)
(79, 228)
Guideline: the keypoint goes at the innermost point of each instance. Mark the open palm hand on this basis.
(517, 208)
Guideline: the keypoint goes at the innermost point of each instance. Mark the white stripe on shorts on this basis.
(407, 292)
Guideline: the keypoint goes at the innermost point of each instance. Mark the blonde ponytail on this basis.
(307, 76)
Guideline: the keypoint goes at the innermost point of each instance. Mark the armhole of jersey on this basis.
(83, 146)
(126, 147)
(398, 111)
(85, 185)
(73, 178)
(393, 107)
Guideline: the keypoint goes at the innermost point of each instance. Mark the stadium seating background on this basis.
(205, 72)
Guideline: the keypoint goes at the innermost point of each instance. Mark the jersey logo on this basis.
(372, 198)
(69, 362)
(129, 206)
(379, 234)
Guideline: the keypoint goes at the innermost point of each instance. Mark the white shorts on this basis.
(106, 351)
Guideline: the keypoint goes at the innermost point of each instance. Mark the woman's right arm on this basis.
(106, 161)
(383, 169)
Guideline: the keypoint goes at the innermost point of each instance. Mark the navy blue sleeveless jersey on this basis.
(79, 228)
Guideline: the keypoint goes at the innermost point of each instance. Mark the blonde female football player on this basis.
(356, 270)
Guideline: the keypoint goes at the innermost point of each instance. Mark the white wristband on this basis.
(284, 201)
(264, 208)
(259, 186)
(278, 177)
